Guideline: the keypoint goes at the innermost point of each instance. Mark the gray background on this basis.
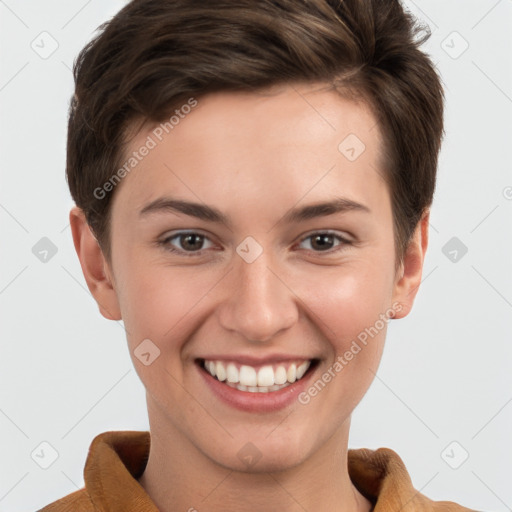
(444, 387)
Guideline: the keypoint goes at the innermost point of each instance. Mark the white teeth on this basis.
(257, 389)
(280, 377)
(301, 370)
(247, 376)
(292, 373)
(264, 380)
(232, 373)
(220, 371)
(266, 376)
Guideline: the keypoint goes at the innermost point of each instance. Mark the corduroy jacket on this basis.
(116, 459)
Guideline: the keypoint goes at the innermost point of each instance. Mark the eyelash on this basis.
(166, 245)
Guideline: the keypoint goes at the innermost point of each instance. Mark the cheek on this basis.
(161, 304)
(351, 311)
(349, 301)
(158, 301)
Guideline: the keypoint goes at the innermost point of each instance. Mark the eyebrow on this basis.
(212, 214)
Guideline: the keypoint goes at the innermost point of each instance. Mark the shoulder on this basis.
(78, 501)
(382, 477)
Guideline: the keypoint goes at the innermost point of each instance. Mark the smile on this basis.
(262, 379)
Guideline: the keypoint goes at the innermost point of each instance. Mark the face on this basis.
(253, 283)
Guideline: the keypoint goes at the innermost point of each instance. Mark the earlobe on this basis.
(409, 275)
(94, 266)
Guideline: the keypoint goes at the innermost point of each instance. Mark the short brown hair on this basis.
(155, 54)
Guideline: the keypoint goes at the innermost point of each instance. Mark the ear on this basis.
(94, 265)
(408, 277)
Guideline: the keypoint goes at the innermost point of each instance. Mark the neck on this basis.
(179, 477)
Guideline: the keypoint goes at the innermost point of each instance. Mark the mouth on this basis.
(262, 378)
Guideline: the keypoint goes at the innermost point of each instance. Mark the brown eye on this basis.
(187, 242)
(191, 241)
(324, 242)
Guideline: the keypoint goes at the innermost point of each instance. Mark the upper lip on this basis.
(256, 361)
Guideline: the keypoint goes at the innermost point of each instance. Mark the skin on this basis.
(254, 156)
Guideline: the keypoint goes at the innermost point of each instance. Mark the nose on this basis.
(260, 304)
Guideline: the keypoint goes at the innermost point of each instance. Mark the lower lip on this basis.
(256, 402)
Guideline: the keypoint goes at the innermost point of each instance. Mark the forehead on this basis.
(275, 145)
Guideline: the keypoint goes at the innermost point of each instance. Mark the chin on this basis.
(260, 455)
